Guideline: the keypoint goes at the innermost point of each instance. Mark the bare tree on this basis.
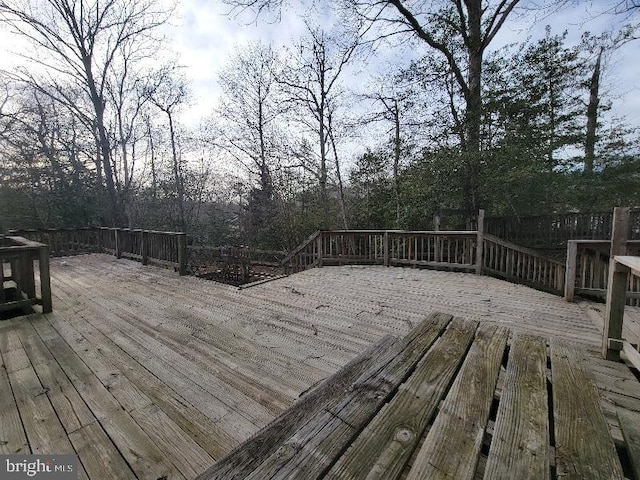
(393, 100)
(169, 94)
(312, 82)
(77, 43)
(249, 112)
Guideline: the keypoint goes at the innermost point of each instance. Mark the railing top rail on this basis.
(403, 232)
(142, 230)
(301, 247)
(600, 242)
(518, 248)
(555, 215)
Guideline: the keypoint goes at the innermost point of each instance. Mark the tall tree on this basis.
(77, 42)
(460, 31)
(169, 94)
(249, 111)
(312, 81)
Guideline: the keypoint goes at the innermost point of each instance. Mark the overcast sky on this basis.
(204, 36)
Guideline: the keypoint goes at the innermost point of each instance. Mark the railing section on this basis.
(521, 265)
(305, 256)
(18, 257)
(622, 266)
(64, 241)
(167, 249)
(550, 231)
(588, 270)
(451, 250)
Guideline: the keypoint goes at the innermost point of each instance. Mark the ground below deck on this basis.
(146, 374)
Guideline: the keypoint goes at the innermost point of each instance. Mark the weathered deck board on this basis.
(461, 422)
(333, 430)
(584, 448)
(258, 448)
(630, 424)
(395, 432)
(219, 364)
(12, 436)
(519, 448)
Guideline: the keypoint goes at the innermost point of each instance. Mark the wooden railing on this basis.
(17, 274)
(553, 231)
(306, 255)
(166, 249)
(64, 241)
(622, 266)
(588, 270)
(437, 249)
(521, 265)
(445, 250)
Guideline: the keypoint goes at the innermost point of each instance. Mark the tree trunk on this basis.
(592, 117)
(117, 215)
(396, 160)
(176, 172)
(343, 207)
(474, 106)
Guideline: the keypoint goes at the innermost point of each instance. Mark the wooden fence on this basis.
(446, 250)
(588, 270)
(622, 266)
(18, 257)
(167, 249)
(553, 231)
(521, 265)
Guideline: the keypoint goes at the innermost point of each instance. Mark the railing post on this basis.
(45, 279)
(144, 247)
(319, 248)
(616, 287)
(570, 273)
(98, 232)
(118, 238)
(385, 248)
(182, 254)
(480, 243)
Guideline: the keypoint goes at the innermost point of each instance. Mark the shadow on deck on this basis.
(146, 374)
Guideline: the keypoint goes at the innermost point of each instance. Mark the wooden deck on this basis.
(146, 374)
(427, 405)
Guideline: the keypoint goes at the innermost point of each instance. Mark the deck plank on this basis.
(394, 433)
(461, 422)
(313, 448)
(519, 448)
(144, 457)
(206, 432)
(44, 430)
(254, 451)
(12, 435)
(584, 448)
(630, 424)
(99, 456)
